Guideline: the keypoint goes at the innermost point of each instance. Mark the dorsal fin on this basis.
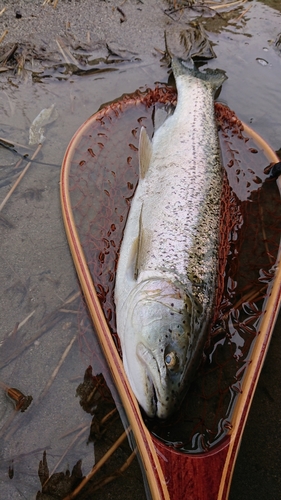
(145, 152)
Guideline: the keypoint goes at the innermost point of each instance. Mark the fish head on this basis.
(161, 330)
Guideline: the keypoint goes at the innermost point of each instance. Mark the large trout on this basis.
(168, 264)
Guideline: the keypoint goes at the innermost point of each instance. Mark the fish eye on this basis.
(171, 360)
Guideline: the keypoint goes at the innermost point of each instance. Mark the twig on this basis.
(21, 324)
(217, 6)
(104, 420)
(3, 35)
(20, 177)
(83, 430)
(56, 370)
(17, 327)
(52, 315)
(69, 58)
(98, 465)
(50, 321)
(4, 434)
(243, 14)
(248, 297)
(68, 311)
(7, 55)
(48, 385)
(108, 416)
(124, 17)
(2, 11)
(115, 474)
(77, 428)
(12, 144)
(53, 3)
(4, 221)
(22, 404)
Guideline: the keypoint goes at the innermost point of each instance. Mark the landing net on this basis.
(103, 179)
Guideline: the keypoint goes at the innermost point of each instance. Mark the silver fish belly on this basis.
(168, 263)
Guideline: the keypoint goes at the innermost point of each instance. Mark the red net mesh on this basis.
(103, 178)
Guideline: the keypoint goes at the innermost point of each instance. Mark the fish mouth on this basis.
(152, 397)
(153, 405)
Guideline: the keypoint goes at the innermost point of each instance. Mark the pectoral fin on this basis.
(144, 240)
(134, 254)
(139, 249)
(132, 260)
(145, 152)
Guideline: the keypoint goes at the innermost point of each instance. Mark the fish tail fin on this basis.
(215, 77)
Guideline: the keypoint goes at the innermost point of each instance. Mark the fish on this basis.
(168, 262)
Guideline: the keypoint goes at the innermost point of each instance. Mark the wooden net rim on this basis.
(145, 443)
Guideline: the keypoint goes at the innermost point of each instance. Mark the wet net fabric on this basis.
(103, 178)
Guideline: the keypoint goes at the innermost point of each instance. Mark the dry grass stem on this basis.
(15, 185)
(108, 416)
(68, 311)
(68, 57)
(115, 474)
(83, 430)
(22, 347)
(2, 11)
(17, 327)
(54, 3)
(51, 319)
(248, 297)
(107, 419)
(56, 370)
(12, 144)
(8, 54)
(98, 466)
(3, 385)
(46, 324)
(21, 324)
(4, 434)
(3, 35)
(217, 6)
(243, 14)
(17, 165)
(53, 314)
(270, 257)
(73, 297)
(77, 428)
(5, 222)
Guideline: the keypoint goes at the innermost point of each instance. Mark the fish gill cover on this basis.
(103, 178)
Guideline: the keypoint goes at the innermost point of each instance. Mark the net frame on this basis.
(258, 353)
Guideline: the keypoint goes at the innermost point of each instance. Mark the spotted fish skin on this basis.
(167, 269)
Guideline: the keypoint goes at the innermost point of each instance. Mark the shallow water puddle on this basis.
(38, 278)
(36, 269)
